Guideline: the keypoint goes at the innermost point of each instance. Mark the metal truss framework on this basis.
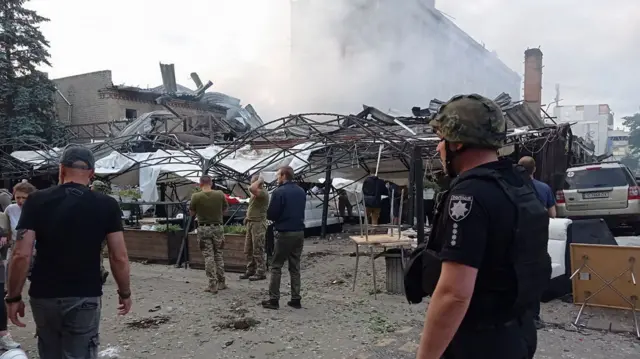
(340, 142)
(331, 141)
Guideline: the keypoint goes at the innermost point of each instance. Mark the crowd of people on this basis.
(484, 267)
(285, 210)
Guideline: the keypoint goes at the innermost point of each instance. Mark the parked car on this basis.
(605, 190)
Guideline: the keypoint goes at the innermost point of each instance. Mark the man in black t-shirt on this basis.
(70, 222)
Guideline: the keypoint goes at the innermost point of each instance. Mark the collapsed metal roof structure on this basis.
(352, 146)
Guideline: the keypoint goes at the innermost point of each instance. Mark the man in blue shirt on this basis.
(545, 195)
(286, 210)
(544, 192)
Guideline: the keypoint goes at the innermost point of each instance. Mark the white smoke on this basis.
(388, 54)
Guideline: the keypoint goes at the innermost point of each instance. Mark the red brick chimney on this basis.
(533, 79)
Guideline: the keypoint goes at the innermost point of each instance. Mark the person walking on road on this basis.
(70, 222)
(6, 341)
(103, 188)
(209, 206)
(286, 210)
(256, 223)
(21, 192)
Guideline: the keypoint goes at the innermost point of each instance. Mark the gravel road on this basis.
(174, 318)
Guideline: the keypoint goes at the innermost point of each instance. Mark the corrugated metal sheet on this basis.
(518, 114)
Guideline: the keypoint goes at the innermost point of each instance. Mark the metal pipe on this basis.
(327, 190)
(359, 214)
(64, 98)
(418, 173)
(379, 155)
(69, 105)
(400, 214)
(393, 192)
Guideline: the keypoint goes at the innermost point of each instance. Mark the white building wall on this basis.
(592, 122)
(388, 54)
(619, 143)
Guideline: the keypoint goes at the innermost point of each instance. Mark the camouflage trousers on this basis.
(254, 247)
(211, 242)
(103, 253)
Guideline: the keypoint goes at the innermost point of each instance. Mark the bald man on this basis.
(544, 192)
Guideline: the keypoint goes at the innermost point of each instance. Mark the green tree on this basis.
(633, 124)
(632, 160)
(27, 99)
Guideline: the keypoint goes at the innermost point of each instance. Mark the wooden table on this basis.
(383, 241)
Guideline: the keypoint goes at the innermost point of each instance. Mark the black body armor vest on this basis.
(528, 252)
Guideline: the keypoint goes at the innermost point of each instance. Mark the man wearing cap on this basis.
(103, 188)
(70, 222)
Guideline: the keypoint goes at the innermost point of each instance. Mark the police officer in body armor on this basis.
(489, 242)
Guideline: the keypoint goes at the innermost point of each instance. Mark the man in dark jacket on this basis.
(286, 210)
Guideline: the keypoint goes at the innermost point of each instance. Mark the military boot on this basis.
(222, 285)
(271, 304)
(294, 303)
(247, 275)
(258, 277)
(212, 288)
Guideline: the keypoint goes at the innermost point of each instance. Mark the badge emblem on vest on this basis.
(460, 207)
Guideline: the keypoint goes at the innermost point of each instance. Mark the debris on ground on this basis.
(239, 324)
(110, 352)
(381, 325)
(146, 323)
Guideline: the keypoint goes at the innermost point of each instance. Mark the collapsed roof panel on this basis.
(517, 114)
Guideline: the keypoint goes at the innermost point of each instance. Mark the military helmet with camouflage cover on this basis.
(101, 187)
(472, 120)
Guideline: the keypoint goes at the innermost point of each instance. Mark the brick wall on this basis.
(91, 103)
(82, 92)
(533, 79)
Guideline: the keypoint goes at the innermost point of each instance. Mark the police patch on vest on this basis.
(460, 207)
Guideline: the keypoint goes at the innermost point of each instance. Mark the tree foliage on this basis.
(632, 160)
(27, 99)
(633, 124)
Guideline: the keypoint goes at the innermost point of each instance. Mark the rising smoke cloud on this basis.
(338, 55)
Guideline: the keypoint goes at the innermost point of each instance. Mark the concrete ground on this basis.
(174, 318)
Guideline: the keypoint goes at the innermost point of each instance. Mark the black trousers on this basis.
(269, 244)
(514, 340)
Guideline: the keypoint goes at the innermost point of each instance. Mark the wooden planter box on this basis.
(153, 246)
(233, 253)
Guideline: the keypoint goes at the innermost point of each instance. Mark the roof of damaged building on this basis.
(517, 114)
(227, 108)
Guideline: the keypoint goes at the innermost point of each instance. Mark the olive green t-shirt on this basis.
(209, 206)
(258, 205)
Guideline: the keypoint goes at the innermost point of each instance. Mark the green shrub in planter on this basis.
(132, 193)
(235, 229)
(169, 228)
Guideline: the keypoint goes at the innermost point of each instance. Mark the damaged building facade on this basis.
(93, 98)
(94, 108)
(392, 54)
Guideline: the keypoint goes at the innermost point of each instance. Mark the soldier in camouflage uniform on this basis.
(256, 222)
(209, 206)
(102, 187)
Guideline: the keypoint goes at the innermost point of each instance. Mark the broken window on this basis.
(130, 114)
